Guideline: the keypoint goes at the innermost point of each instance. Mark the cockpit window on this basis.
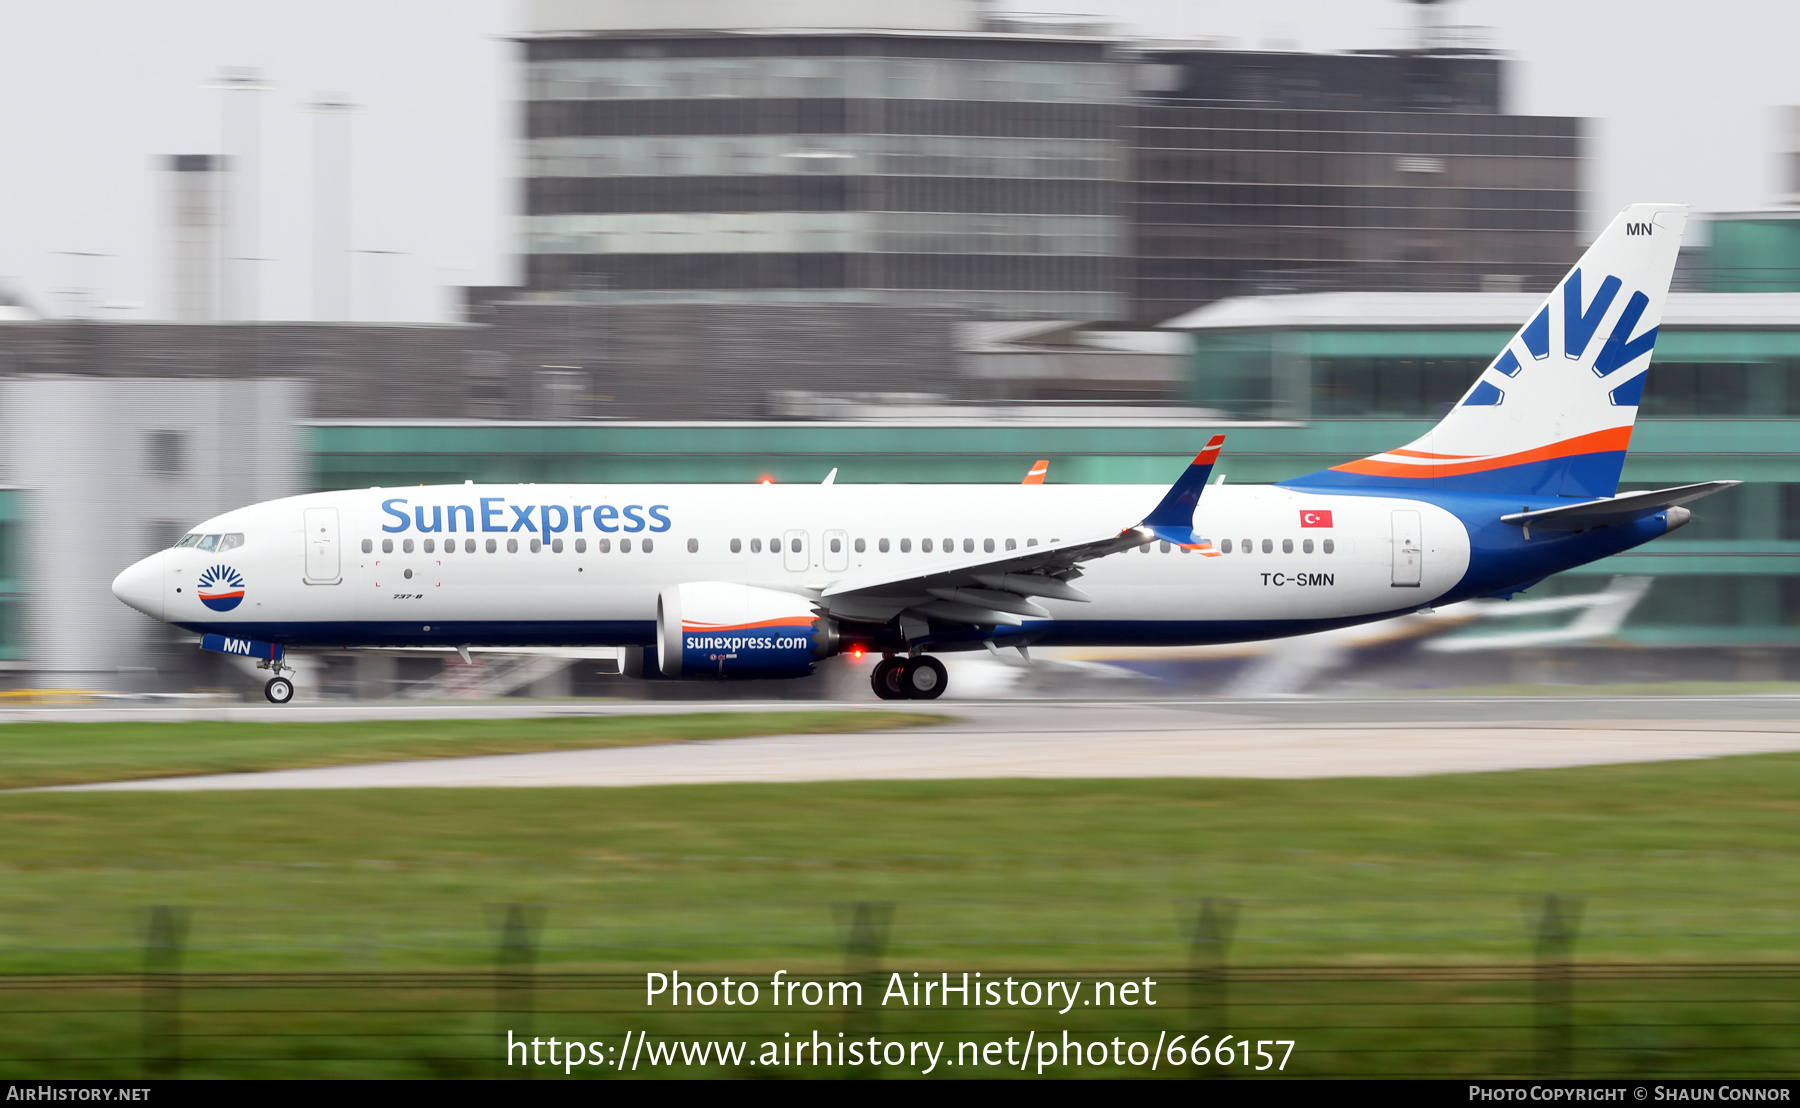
(231, 541)
(188, 540)
(209, 542)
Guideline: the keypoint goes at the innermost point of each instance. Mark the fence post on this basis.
(514, 1000)
(863, 949)
(164, 937)
(1209, 939)
(1557, 921)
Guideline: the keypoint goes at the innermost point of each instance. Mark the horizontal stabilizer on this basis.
(1614, 509)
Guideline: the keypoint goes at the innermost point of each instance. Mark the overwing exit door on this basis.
(322, 547)
(1409, 553)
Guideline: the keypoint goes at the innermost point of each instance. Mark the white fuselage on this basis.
(339, 568)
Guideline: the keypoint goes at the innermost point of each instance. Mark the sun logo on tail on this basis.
(220, 588)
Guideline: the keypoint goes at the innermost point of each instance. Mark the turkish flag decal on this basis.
(1312, 517)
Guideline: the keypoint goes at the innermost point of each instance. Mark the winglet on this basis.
(1035, 476)
(1173, 519)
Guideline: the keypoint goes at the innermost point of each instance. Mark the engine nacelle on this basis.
(724, 629)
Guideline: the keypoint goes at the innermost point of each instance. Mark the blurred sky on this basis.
(95, 91)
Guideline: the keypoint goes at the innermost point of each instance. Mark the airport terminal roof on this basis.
(1467, 311)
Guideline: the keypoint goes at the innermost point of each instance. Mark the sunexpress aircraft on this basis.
(1519, 481)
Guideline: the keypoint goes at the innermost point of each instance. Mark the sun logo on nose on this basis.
(220, 588)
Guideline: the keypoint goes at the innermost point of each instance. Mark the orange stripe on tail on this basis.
(1613, 438)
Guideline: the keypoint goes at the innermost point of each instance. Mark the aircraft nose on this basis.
(141, 586)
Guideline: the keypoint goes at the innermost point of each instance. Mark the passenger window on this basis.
(737, 546)
(1144, 549)
(756, 546)
(693, 546)
(1225, 547)
(368, 546)
(1165, 548)
(430, 546)
(406, 545)
(1287, 546)
(624, 546)
(1012, 544)
(906, 546)
(604, 546)
(861, 546)
(882, 546)
(987, 546)
(649, 545)
(581, 546)
(1249, 546)
(512, 546)
(969, 545)
(188, 540)
(1329, 546)
(1268, 546)
(837, 546)
(490, 546)
(775, 546)
(537, 546)
(556, 546)
(231, 542)
(925, 545)
(949, 546)
(387, 546)
(1306, 546)
(209, 542)
(469, 546)
(793, 545)
(1030, 542)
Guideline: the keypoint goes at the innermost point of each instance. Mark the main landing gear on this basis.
(920, 678)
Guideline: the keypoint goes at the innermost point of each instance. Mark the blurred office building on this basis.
(97, 473)
(1012, 167)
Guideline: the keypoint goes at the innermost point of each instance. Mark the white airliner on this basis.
(1519, 481)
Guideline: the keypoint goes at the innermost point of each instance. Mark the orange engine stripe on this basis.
(708, 628)
(1613, 438)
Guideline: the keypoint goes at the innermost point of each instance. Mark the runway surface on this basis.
(1050, 739)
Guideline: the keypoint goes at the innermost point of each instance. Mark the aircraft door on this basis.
(322, 547)
(837, 551)
(795, 552)
(1409, 552)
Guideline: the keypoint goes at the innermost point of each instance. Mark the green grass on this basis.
(1682, 862)
(36, 754)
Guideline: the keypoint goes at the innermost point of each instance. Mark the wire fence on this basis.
(1546, 1016)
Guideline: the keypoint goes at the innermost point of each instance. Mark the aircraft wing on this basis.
(989, 589)
(1003, 588)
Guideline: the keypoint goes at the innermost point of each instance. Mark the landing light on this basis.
(767, 481)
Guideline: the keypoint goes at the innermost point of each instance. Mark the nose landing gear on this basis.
(920, 678)
(277, 689)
